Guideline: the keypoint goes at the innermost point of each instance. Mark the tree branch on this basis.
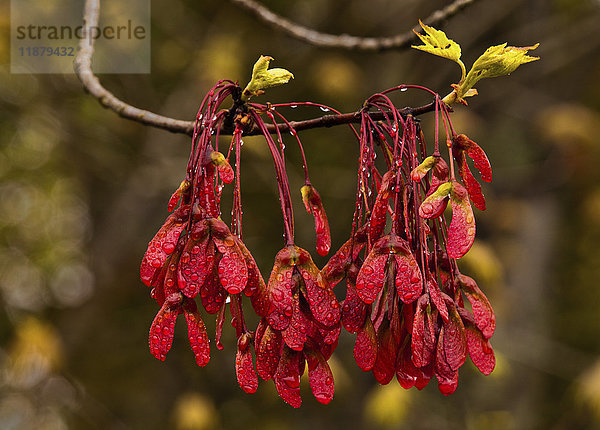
(345, 41)
(91, 83)
(83, 69)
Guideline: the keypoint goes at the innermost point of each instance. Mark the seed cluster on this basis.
(404, 291)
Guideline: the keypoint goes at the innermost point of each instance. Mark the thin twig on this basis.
(345, 41)
(92, 85)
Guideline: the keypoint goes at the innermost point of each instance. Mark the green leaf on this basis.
(499, 60)
(437, 43)
(263, 77)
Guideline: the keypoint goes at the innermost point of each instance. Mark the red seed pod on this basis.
(314, 205)
(437, 298)
(223, 166)
(365, 347)
(380, 207)
(320, 376)
(197, 334)
(183, 187)
(206, 193)
(321, 299)
(484, 316)
(296, 333)
(269, 353)
(419, 172)
(212, 294)
(163, 244)
(287, 377)
(406, 371)
(385, 364)
(244, 368)
(480, 349)
(423, 334)
(354, 310)
(371, 276)
(455, 340)
(463, 143)
(197, 259)
(424, 376)
(471, 184)
(409, 279)
(163, 326)
(462, 146)
(233, 272)
(280, 289)
(447, 378)
(434, 205)
(461, 232)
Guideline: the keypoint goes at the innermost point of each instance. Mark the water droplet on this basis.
(278, 295)
(324, 109)
(294, 106)
(228, 299)
(292, 381)
(403, 89)
(156, 263)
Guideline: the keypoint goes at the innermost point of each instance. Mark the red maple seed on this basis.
(314, 205)
(268, 353)
(435, 204)
(483, 313)
(380, 207)
(455, 341)
(406, 371)
(163, 244)
(162, 329)
(296, 333)
(354, 310)
(482, 163)
(244, 369)
(225, 170)
(385, 364)
(461, 233)
(197, 334)
(287, 377)
(423, 334)
(365, 347)
(447, 378)
(197, 259)
(320, 376)
(480, 349)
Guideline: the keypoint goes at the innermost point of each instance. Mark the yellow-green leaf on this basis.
(499, 60)
(263, 77)
(437, 43)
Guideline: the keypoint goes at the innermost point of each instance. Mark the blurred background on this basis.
(82, 191)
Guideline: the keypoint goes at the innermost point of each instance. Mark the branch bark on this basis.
(91, 83)
(345, 41)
